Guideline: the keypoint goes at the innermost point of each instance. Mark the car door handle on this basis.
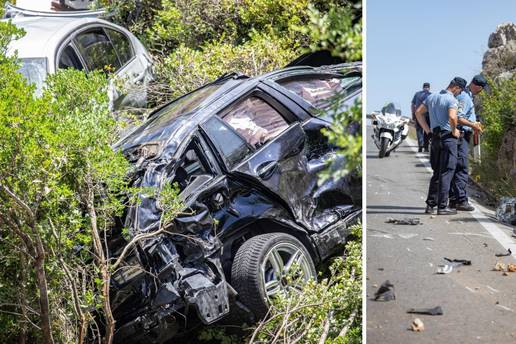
(266, 170)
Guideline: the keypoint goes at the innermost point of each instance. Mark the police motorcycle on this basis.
(389, 129)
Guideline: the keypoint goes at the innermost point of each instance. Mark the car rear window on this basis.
(97, 51)
(318, 90)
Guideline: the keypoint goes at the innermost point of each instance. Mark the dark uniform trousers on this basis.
(422, 138)
(459, 183)
(443, 159)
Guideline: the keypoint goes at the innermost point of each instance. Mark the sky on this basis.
(413, 41)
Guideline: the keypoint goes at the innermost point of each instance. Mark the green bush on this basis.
(187, 69)
(498, 111)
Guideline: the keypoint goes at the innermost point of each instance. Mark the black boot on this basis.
(464, 206)
(446, 211)
(420, 149)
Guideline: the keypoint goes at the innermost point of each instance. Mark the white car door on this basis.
(134, 74)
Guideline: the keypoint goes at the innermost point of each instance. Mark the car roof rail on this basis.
(12, 11)
(230, 75)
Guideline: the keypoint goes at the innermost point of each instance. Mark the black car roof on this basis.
(178, 129)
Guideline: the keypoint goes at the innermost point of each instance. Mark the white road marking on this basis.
(506, 308)
(492, 289)
(479, 213)
(471, 234)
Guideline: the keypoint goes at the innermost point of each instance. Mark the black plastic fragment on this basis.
(428, 311)
(385, 292)
(508, 253)
(459, 261)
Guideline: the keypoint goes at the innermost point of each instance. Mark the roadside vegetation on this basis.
(498, 110)
(62, 186)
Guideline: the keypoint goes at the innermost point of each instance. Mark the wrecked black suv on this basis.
(245, 154)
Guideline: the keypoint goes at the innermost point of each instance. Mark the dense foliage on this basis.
(499, 116)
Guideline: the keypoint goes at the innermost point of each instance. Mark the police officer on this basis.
(467, 124)
(417, 100)
(442, 108)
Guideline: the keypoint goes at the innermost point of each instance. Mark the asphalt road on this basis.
(479, 304)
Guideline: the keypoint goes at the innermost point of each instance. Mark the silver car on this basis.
(82, 41)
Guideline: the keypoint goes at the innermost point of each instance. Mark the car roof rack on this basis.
(11, 11)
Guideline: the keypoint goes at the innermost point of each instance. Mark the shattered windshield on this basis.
(154, 128)
(35, 71)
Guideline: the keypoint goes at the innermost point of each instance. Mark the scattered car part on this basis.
(428, 311)
(417, 325)
(499, 266)
(406, 221)
(511, 267)
(458, 262)
(444, 269)
(508, 253)
(385, 292)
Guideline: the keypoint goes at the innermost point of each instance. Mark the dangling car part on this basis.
(245, 154)
(389, 129)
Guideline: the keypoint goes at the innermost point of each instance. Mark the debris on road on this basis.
(458, 262)
(406, 221)
(417, 325)
(499, 266)
(444, 269)
(385, 292)
(511, 268)
(508, 253)
(506, 210)
(427, 311)
(428, 239)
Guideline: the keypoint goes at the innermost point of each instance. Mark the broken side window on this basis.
(318, 90)
(255, 120)
(229, 144)
(191, 169)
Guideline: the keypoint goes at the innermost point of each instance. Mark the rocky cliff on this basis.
(500, 59)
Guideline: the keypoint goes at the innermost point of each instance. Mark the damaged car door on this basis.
(275, 140)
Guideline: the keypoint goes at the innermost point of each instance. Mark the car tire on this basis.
(383, 147)
(248, 278)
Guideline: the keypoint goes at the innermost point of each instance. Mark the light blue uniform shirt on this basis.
(466, 108)
(438, 105)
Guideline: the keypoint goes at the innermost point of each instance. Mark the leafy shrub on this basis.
(498, 112)
(499, 116)
(187, 69)
(336, 30)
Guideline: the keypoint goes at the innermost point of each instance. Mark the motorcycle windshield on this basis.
(391, 108)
